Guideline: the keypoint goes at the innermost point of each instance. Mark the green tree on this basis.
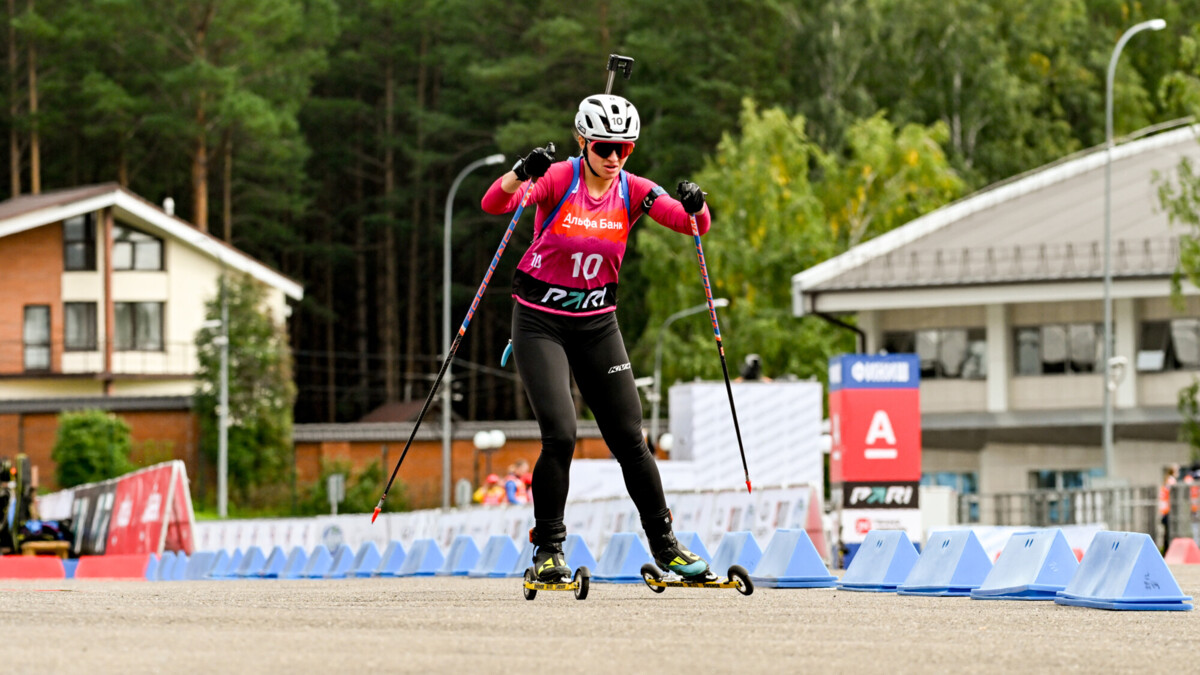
(362, 491)
(1180, 198)
(769, 223)
(91, 445)
(261, 391)
(886, 178)
(782, 204)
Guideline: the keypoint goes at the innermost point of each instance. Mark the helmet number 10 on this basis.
(590, 266)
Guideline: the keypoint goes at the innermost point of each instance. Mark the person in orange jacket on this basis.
(1164, 503)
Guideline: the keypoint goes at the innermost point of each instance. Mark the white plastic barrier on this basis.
(711, 514)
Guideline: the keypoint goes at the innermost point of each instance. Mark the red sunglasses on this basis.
(604, 149)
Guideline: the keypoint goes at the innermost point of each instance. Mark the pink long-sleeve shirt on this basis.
(574, 262)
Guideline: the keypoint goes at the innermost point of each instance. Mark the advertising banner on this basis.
(875, 454)
(147, 511)
(856, 523)
(139, 521)
(91, 510)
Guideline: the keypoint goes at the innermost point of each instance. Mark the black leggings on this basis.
(548, 349)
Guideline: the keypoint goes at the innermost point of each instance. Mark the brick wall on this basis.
(31, 267)
(156, 435)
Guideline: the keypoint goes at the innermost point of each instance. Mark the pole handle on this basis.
(618, 63)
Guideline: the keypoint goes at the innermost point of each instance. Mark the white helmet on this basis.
(605, 117)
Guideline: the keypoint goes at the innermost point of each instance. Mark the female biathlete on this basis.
(564, 319)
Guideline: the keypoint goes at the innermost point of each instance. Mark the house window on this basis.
(1058, 348)
(944, 353)
(138, 326)
(1169, 345)
(134, 250)
(37, 337)
(79, 326)
(79, 243)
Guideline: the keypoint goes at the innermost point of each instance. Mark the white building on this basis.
(1001, 295)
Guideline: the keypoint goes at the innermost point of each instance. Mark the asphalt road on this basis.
(470, 626)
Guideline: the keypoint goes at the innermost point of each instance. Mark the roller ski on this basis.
(676, 566)
(550, 573)
(658, 582)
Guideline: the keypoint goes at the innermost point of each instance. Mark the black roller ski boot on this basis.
(671, 556)
(549, 562)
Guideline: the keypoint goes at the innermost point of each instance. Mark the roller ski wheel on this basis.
(740, 578)
(578, 584)
(658, 582)
(582, 582)
(530, 586)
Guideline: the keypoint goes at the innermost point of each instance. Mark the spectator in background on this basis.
(1164, 503)
(514, 487)
(1192, 478)
(751, 370)
(526, 477)
(491, 492)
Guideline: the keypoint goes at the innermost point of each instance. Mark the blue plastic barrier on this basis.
(1124, 570)
(225, 564)
(881, 563)
(692, 542)
(498, 558)
(392, 560)
(577, 553)
(423, 559)
(225, 567)
(179, 571)
(201, 563)
(69, 566)
(952, 564)
(274, 565)
(166, 566)
(252, 563)
(366, 561)
(736, 548)
(791, 561)
(343, 563)
(524, 560)
(1032, 566)
(319, 563)
(461, 558)
(622, 560)
(296, 563)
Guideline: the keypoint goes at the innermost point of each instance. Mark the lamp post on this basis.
(1107, 438)
(489, 160)
(656, 395)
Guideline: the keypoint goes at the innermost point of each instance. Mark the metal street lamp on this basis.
(656, 396)
(1153, 24)
(486, 161)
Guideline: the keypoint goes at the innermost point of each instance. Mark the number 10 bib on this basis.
(573, 263)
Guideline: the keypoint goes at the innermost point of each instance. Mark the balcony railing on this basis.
(1126, 509)
(1017, 263)
(19, 359)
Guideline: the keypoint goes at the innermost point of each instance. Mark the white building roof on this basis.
(31, 211)
(1036, 237)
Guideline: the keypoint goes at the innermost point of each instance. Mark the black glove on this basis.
(535, 164)
(690, 196)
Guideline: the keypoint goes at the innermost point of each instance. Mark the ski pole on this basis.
(712, 313)
(454, 345)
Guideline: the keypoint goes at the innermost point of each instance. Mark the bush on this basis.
(91, 446)
(362, 491)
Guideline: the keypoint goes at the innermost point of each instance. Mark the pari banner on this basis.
(875, 458)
